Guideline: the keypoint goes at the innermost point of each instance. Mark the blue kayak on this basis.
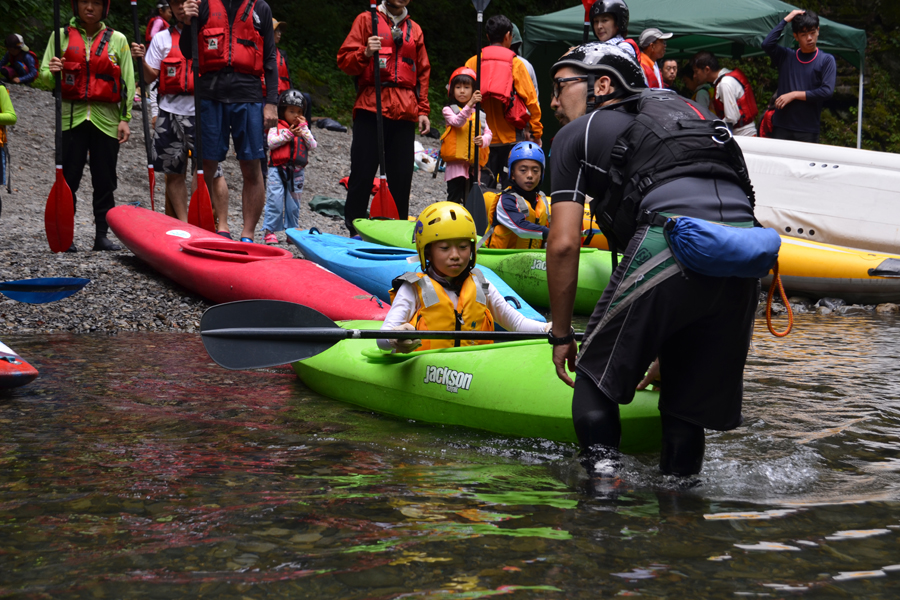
(373, 267)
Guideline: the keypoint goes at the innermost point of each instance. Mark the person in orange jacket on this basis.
(405, 71)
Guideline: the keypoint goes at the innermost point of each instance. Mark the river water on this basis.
(135, 467)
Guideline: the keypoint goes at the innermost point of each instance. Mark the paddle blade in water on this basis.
(383, 205)
(42, 290)
(59, 215)
(263, 350)
(476, 207)
(200, 212)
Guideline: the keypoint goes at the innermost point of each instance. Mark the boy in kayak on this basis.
(521, 216)
(451, 294)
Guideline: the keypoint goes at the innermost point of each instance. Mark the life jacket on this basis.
(2, 127)
(647, 65)
(294, 153)
(500, 236)
(284, 75)
(176, 73)
(635, 47)
(746, 103)
(237, 45)
(398, 64)
(458, 143)
(671, 137)
(150, 23)
(93, 76)
(497, 73)
(437, 312)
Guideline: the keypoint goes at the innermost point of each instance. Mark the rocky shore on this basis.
(125, 294)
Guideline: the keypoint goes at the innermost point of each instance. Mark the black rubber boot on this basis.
(683, 447)
(72, 248)
(101, 242)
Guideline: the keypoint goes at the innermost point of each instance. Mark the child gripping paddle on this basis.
(460, 138)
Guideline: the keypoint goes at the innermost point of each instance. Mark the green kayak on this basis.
(525, 271)
(509, 388)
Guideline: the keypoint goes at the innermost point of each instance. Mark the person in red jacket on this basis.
(405, 71)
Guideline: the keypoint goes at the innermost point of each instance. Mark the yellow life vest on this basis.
(437, 312)
(458, 143)
(500, 236)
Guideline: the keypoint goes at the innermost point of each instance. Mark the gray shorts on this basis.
(173, 140)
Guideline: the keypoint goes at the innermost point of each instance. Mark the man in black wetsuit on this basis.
(698, 327)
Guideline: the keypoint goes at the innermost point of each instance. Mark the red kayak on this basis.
(13, 370)
(223, 270)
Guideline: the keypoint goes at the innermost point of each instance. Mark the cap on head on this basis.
(105, 8)
(526, 151)
(277, 24)
(650, 35)
(444, 221)
(617, 8)
(598, 59)
(14, 41)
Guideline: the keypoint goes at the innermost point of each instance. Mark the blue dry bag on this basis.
(723, 251)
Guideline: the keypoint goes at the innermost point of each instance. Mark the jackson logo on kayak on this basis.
(454, 380)
(539, 265)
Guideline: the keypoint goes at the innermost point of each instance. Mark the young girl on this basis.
(458, 141)
(451, 294)
(289, 144)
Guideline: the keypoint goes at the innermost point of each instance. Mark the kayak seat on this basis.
(227, 250)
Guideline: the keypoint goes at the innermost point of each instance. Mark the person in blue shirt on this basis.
(19, 64)
(805, 78)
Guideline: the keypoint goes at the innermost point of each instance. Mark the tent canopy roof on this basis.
(735, 29)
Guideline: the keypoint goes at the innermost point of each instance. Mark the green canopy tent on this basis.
(733, 29)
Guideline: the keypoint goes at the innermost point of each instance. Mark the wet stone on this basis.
(371, 578)
(887, 308)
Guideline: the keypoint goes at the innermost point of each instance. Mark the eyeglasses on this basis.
(558, 81)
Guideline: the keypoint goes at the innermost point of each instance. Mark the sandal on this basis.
(225, 234)
(247, 240)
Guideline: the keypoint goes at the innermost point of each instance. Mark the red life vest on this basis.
(150, 23)
(398, 64)
(284, 75)
(746, 103)
(176, 74)
(92, 77)
(294, 153)
(237, 45)
(497, 73)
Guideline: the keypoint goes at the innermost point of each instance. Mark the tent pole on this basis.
(859, 116)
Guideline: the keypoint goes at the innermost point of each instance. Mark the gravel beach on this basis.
(124, 293)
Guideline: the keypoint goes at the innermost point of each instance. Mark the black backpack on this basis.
(671, 137)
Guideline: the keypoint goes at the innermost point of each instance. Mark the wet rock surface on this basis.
(125, 294)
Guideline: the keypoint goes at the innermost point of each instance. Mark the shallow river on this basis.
(134, 467)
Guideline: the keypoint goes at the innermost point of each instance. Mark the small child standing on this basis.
(7, 117)
(289, 144)
(457, 141)
(520, 218)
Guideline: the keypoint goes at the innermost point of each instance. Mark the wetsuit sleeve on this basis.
(7, 112)
(770, 44)
(351, 57)
(508, 317)
(402, 310)
(826, 90)
(566, 158)
(509, 215)
(270, 58)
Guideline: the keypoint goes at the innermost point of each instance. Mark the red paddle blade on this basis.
(152, 174)
(200, 212)
(383, 205)
(59, 216)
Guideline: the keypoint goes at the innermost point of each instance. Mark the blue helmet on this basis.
(523, 151)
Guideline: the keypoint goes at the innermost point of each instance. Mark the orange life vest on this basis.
(237, 45)
(284, 75)
(500, 236)
(398, 63)
(293, 153)
(746, 103)
(458, 143)
(437, 312)
(91, 76)
(176, 74)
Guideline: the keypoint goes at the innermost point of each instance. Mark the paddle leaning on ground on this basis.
(475, 196)
(144, 112)
(254, 334)
(200, 213)
(59, 214)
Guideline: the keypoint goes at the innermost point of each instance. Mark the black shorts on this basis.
(699, 327)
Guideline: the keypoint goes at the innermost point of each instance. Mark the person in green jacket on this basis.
(98, 91)
(7, 117)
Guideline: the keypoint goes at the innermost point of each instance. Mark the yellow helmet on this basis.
(444, 221)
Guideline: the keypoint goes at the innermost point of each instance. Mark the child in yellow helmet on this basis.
(450, 293)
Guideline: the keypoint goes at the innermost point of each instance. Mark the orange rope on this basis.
(776, 279)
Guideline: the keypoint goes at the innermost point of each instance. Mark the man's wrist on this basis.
(561, 341)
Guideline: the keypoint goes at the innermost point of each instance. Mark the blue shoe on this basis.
(247, 240)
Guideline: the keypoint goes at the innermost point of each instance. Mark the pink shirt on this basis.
(460, 168)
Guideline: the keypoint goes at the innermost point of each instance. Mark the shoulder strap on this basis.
(482, 286)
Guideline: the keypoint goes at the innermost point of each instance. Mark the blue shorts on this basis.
(243, 120)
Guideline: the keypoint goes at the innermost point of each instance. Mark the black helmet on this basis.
(291, 98)
(616, 8)
(597, 58)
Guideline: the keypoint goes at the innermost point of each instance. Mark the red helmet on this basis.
(457, 73)
(105, 8)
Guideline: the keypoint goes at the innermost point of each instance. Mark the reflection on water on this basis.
(134, 467)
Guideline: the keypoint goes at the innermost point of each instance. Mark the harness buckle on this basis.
(722, 131)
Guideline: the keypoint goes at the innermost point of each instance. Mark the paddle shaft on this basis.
(57, 80)
(144, 114)
(198, 138)
(334, 334)
(478, 104)
(376, 64)
(587, 20)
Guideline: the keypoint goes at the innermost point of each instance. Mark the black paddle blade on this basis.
(480, 5)
(245, 334)
(476, 207)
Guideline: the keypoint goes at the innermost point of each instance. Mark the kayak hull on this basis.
(14, 370)
(223, 270)
(524, 270)
(508, 388)
(373, 267)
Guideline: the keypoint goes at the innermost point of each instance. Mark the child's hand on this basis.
(295, 129)
(301, 121)
(479, 141)
(476, 96)
(404, 346)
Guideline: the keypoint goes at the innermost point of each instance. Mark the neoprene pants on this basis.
(596, 419)
(77, 143)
